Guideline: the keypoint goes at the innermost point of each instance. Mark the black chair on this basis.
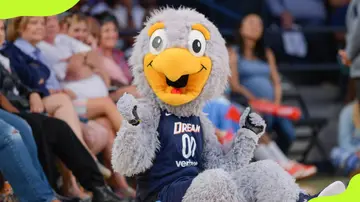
(315, 124)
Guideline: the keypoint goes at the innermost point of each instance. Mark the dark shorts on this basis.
(175, 191)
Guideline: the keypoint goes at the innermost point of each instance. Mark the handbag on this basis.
(8, 88)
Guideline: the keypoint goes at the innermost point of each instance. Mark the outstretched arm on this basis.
(240, 151)
(137, 140)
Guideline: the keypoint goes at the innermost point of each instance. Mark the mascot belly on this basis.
(181, 149)
(180, 61)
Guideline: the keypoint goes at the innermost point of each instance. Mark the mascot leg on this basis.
(266, 181)
(213, 185)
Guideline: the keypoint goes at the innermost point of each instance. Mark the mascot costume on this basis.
(180, 61)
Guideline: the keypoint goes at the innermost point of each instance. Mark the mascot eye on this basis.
(158, 41)
(197, 43)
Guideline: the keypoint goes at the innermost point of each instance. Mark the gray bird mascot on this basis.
(180, 61)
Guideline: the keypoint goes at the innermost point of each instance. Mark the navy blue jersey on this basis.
(179, 157)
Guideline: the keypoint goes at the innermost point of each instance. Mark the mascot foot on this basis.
(213, 185)
(351, 194)
(333, 189)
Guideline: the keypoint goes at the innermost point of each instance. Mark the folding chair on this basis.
(315, 124)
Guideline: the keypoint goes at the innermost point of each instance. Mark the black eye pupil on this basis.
(156, 43)
(196, 46)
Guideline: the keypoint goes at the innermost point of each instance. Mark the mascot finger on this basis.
(126, 105)
(244, 116)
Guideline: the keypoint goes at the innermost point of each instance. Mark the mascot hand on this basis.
(253, 122)
(127, 106)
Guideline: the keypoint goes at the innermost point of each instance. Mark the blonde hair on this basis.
(69, 20)
(15, 26)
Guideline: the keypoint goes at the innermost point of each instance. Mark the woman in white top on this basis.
(113, 69)
(86, 83)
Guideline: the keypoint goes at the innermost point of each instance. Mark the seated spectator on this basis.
(304, 12)
(56, 42)
(84, 71)
(120, 73)
(255, 76)
(98, 108)
(54, 138)
(91, 89)
(39, 79)
(19, 95)
(225, 117)
(76, 26)
(79, 67)
(346, 156)
(110, 64)
(22, 168)
(57, 47)
(58, 107)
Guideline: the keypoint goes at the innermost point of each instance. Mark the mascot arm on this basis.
(136, 143)
(237, 153)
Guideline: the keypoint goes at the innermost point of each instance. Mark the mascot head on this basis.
(180, 60)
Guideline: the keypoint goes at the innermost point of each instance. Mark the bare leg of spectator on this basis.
(120, 92)
(104, 107)
(96, 136)
(99, 138)
(61, 107)
(119, 182)
(70, 187)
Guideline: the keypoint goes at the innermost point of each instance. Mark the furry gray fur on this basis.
(230, 177)
(254, 182)
(213, 185)
(266, 181)
(241, 150)
(135, 146)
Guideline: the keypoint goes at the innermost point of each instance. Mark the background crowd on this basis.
(60, 78)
